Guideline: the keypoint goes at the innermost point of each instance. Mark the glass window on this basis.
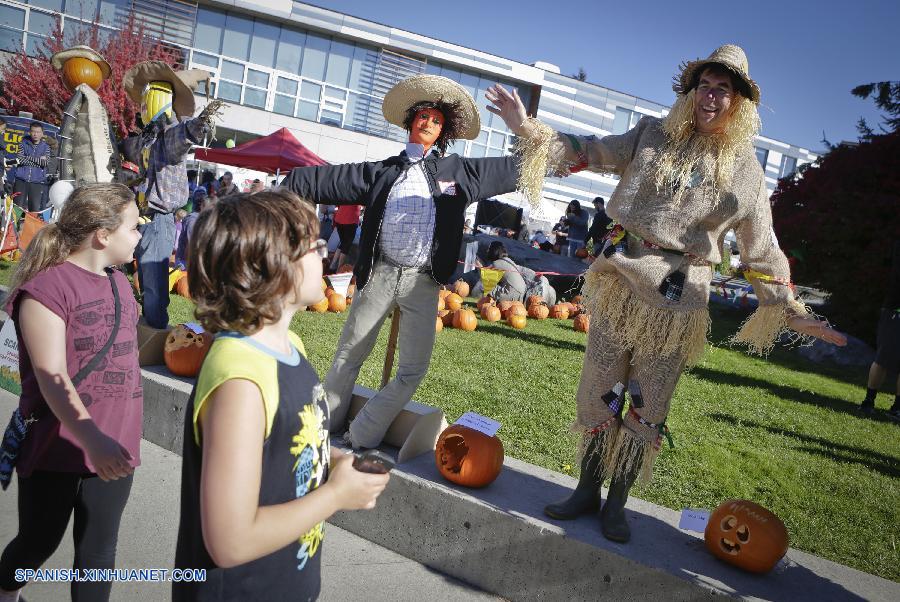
(314, 55)
(623, 120)
(339, 58)
(255, 98)
(433, 69)
(229, 91)
(331, 117)
(83, 9)
(206, 60)
(239, 30)
(494, 152)
(51, 4)
(265, 39)
(635, 117)
(257, 78)
(762, 155)
(450, 73)
(201, 88)
(284, 105)
(458, 147)
(11, 16)
(335, 94)
(497, 140)
(76, 31)
(208, 34)
(788, 165)
(110, 8)
(307, 110)
(477, 150)
(35, 45)
(310, 91)
(290, 49)
(361, 56)
(10, 39)
(470, 83)
(232, 71)
(41, 23)
(287, 86)
(482, 137)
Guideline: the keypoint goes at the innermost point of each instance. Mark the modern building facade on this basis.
(322, 74)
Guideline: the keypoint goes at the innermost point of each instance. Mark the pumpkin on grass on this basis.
(486, 300)
(453, 301)
(461, 288)
(559, 312)
(443, 292)
(538, 311)
(320, 307)
(468, 457)
(514, 308)
(464, 319)
(441, 304)
(439, 324)
(491, 313)
(185, 349)
(337, 303)
(446, 317)
(517, 321)
(582, 322)
(504, 307)
(534, 300)
(577, 310)
(745, 534)
(578, 299)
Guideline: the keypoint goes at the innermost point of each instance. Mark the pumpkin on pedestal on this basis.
(185, 349)
(464, 319)
(453, 301)
(517, 321)
(559, 312)
(468, 457)
(337, 303)
(745, 534)
(491, 313)
(461, 288)
(538, 311)
(321, 307)
(582, 322)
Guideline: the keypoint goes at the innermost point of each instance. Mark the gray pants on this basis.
(415, 294)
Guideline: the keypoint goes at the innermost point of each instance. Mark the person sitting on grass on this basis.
(259, 477)
(518, 282)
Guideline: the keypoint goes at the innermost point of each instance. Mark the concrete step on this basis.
(498, 539)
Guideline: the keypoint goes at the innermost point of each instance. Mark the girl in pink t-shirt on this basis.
(76, 320)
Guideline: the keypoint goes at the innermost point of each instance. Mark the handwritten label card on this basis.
(479, 423)
(194, 327)
(694, 520)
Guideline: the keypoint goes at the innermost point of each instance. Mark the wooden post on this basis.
(391, 348)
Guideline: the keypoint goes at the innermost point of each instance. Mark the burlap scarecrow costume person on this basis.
(686, 179)
(159, 151)
(410, 241)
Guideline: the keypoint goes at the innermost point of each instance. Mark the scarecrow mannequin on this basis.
(410, 242)
(159, 151)
(686, 179)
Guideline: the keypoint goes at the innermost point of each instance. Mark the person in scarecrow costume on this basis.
(159, 151)
(686, 179)
(410, 242)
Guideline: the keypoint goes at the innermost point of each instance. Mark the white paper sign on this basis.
(479, 423)
(340, 282)
(471, 256)
(694, 520)
(9, 358)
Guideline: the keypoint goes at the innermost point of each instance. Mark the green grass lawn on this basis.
(781, 432)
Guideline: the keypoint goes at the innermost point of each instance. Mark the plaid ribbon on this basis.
(661, 428)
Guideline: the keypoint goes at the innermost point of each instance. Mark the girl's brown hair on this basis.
(90, 207)
(242, 258)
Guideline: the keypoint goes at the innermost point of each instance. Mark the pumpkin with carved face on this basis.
(745, 534)
(185, 350)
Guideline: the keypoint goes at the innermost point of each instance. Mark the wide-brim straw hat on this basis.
(84, 52)
(433, 88)
(729, 56)
(183, 83)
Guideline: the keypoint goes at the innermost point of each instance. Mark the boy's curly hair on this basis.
(453, 121)
(242, 258)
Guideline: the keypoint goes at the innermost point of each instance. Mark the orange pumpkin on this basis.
(578, 299)
(486, 300)
(441, 304)
(337, 303)
(439, 324)
(79, 70)
(446, 317)
(453, 301)
(504, 307)
(570, 306)
(582, 323)
(349, 300)
(464, 319)
(491, 313)
(538, 311)
(321, 307)
(581, 253)
(515, 308)
(745, 534)
(517, 321)
(444, 292)
(345, 268)
(182, 288)
(468, 457)
(461, 288)
(329, 291)
(185, 350)
(559, 312)
(577, 310)
(533, 300)
(324, 285)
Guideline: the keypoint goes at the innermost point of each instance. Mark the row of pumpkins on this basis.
(515, 313)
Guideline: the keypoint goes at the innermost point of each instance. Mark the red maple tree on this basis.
(32, 84)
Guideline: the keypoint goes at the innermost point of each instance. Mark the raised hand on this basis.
(508, 106)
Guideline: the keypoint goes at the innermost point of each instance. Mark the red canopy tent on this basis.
(278, 152)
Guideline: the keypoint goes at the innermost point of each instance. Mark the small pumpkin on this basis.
(577, 310)
(461, 288)
(439, 324)
(182, 288)
(345, 268)
(517, 321)
(337, 303)
(320, 307)
(185, 349)
(578, 299)
(329, 291)
(468, 457)
(491, 313)
(453, 301)
(559, 312)
(747, 535)
(443, 292)
(464, 319)
(485, 300)
(504, 307)
(446, 317)
(581, 252)
(534, 300)
(538, 311)
(516, 308)
(441, 304)
(79, 70)
(582, 323)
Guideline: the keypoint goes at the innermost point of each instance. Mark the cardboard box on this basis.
(151, 344)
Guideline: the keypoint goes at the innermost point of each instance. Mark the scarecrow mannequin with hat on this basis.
(410, 242)
(686, 179)
(159, 151)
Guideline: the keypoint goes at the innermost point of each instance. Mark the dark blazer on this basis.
(455, 182)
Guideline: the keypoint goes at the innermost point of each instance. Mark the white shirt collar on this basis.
(415, 151)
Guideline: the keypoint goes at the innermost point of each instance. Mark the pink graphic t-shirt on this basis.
(111, 393)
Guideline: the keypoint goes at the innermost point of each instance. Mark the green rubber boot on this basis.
(613, 524)
(586, 497)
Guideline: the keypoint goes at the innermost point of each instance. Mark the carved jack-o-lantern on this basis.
(468, 457)
(185, 349)
(745, 534)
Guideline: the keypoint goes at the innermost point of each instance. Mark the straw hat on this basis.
(183, 82)
(84, 52)
(434, 88)
(729, 56)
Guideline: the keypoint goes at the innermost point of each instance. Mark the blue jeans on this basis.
(573, 246)
(153, 253)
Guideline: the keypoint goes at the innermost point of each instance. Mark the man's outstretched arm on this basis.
(345, 184)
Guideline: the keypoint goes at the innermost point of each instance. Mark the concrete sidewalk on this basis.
(352, 568)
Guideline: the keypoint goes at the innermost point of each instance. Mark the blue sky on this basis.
(806, 55)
